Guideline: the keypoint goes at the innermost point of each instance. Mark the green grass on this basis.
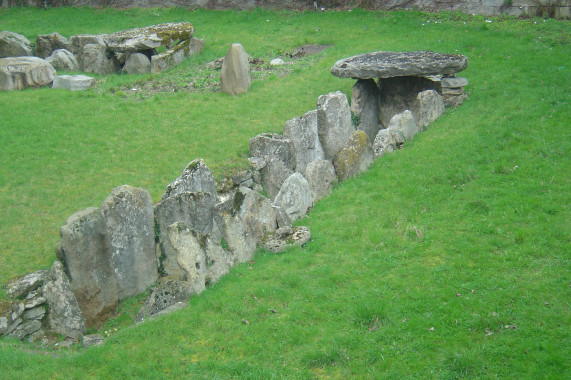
(448, 259)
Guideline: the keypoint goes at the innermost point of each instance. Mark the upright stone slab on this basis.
(195, 177)
(384, 143)
(137, 63)
(365, 106)
(235, 76)
(293, 201)
(62, 59)
(86, 253)
(194, 209)
(14, 45)
(334, 123)
(128, 215)
(24, 72)
(302, 131)
(355, 157)
(404, 123)
(256, 212)
(78, 42)
(64, 315)
(46, 44)
(240, 244)
(276, 158)
(320, 175)
(430, 106)
(95, 59)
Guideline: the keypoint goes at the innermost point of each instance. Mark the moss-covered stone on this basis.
(355, 157)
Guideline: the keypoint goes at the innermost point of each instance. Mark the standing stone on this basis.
(277, 156)
(85, 251)
(137, 63)
(430, 106)
(256, 212)
(195, 177)
(194, 209)
(365, 106)
(128, 215)
(334, 123)
(14, 45)
(302, 131)
(46, 44)
(23, 72)
(240, 244)
(294, 200)
(95, 59)
(404, 123)
(64, 315)
(355, 157)
(235, 77)
(62, 59)
(78, 42)
(384, 143)
(320, 175)
(73, 82)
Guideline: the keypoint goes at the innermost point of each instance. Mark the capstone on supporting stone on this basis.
(150, 37)
(365, 100)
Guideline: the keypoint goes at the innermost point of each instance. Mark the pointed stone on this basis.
(235, 76)
(334, 123)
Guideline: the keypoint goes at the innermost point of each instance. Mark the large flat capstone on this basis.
(149, 37)
(388, 64)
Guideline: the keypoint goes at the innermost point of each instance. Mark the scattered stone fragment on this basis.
(286, 237)
(235, 76)
(277, 62)
(164, 296)
(73, 82)
(92, 340)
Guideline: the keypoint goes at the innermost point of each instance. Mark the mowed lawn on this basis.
(448, 259)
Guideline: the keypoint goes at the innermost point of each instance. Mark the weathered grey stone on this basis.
(78, 42)
(129, 219)
(46, 44)
(256, 212)
(334, 123)
(164, 296)
(200, 257)
(194, 209)
(137, 63)
(278, 154)
(62, 59)
(34, 299)
(404, 123)
(30, 282)
(387, 64)
(240, 245)
(34, 313)
(25, 329)
(85, 250)
(400, 94)
(430, 106)
(277, 62)
(454, 100)
(23, 72)
(195, 177)
(355, 157)
(10, 315)
(64, 315)
(95, 59)
(150, 37)
(293, 200)
(454, 82)
(235, 76)
(92, 340)
(73, 82)
(283, 240)
(14, 45)
(384, 143)
(172, 57)
(320, 175)
(302, 131)
(365, 106)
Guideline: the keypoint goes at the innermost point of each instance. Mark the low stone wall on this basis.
(545, 8)
(200, 228)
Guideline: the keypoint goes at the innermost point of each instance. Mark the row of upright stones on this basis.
(200, 229)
